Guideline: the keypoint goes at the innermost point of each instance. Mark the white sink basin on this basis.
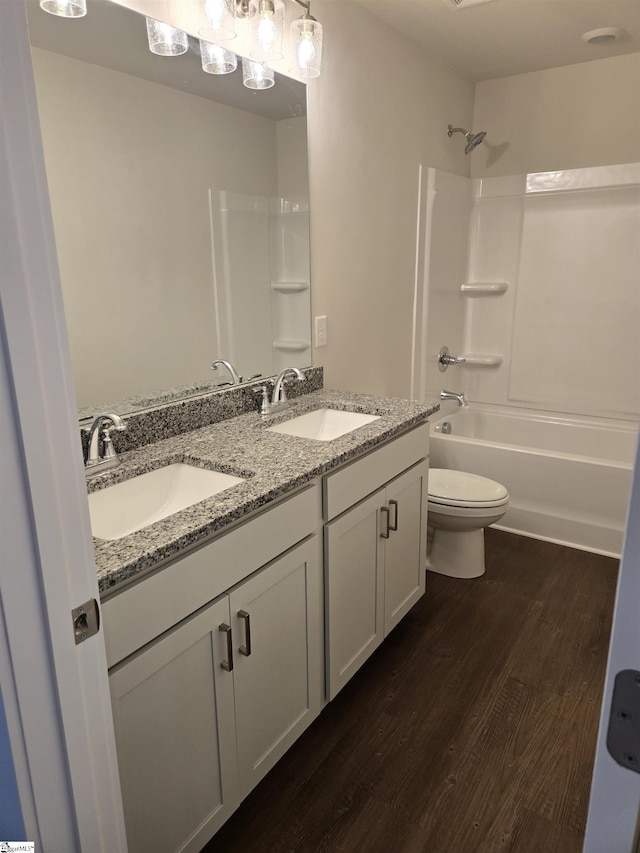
(324, 424)
(136, 503)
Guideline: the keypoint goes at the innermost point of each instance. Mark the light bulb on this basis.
(257, 75)
(221, 20)
(306, 41)
(266, 19)
(216, 11)
(216, 59)
(306, 53)
(267, 32)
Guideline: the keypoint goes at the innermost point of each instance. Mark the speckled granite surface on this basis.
(179, 416)
(273, 464)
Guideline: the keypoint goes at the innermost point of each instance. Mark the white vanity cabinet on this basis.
(375, 551)
(174, 718)
(202, 712)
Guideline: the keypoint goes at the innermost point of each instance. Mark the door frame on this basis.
(612, 823)
(56, 694)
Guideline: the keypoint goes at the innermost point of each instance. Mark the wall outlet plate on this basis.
(321, 331)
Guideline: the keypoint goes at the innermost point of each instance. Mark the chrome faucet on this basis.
(454, 395)
(235, 379)
(278, 400)
(97, 462)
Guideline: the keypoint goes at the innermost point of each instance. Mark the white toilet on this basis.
(461, 505)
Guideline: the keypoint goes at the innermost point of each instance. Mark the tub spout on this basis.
(454, 395)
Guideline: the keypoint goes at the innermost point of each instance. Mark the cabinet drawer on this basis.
(355, 481)
(144, 611)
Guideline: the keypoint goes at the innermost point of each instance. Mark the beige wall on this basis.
(293, 159)
(563, 118)
(379, 110)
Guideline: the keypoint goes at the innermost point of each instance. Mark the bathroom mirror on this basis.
(180, 211)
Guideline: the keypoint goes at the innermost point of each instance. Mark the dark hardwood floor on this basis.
(472, 729)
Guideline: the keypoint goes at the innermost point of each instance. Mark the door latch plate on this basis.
(86, 620)
(623, 735)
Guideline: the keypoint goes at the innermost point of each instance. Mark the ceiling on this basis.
(497, 38)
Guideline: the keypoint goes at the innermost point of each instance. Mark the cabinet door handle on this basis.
(246, 649)
(394, 526)
(227, 665)
(385, 533)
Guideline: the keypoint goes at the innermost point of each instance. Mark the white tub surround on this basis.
(535, 279)
(568, 478)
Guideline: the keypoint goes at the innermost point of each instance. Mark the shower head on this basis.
(473, 139)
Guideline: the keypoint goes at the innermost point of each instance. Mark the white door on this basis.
(354, 589)
(405, 549)
(174, 715)
(615, 791)
(55, 694)
(277, 657)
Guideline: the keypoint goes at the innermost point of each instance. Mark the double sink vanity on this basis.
(287, 548)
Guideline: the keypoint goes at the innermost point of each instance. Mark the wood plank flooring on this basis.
(472, 729)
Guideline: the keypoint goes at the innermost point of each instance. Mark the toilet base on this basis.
(457, 553)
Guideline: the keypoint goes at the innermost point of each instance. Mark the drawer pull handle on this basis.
(385, 533)
(227, 665)
(394, 526)
(246, 649)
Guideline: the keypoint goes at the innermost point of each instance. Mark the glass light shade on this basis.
(257, 75)
(221, 20)
(266, 18)
(306, 46)
(166, 40)
(216, 59)
(65, 8)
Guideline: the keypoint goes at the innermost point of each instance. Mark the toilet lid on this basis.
(458, 487)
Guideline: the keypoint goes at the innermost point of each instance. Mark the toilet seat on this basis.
(461, 489)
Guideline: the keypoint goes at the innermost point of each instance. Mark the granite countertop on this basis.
(273, 464)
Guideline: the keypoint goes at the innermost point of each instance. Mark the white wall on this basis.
(563, 118)
(370, 127)
(129, 166)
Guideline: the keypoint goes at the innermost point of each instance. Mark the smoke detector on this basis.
(463, 4)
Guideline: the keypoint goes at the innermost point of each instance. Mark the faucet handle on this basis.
(264, 403)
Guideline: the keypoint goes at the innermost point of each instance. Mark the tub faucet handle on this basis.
(445, 359)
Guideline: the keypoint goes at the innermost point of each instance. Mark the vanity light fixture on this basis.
(166, 40)
(216, 59)
(257, 75)
(306, 43)
(266, 21)
(221, 20)
(65, 8)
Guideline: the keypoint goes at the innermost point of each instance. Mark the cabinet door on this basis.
(277, 629)
(405, 549)
(175, 735)
(354, 589)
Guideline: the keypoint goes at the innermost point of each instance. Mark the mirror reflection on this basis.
(180, 210)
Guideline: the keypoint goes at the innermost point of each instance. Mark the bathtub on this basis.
(568, 479)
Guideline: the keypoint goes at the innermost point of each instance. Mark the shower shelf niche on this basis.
(475, 359)
(482, 288)
(292, 346)
(290, 286)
